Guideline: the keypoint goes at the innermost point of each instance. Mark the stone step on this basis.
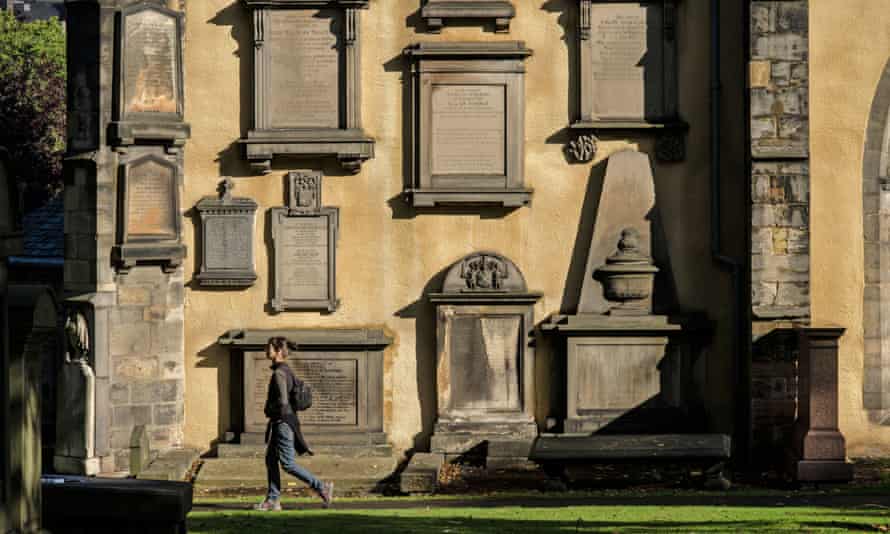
(174, 464)
(230, 450)
(350, 475)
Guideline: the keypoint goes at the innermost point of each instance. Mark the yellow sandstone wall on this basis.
(386, 260)
(849, 47)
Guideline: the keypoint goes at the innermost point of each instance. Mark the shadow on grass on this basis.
(348, 523)
(344, 523)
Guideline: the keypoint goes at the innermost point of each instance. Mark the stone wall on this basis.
(136, 317)
(147, 376)
(779, 92)
(391, 256)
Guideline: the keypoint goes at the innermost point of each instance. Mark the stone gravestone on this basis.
(304, 242)
(469, 112)
(227, 229)
(344, 369)
(628, 73)
(627, 369)
(307, 82)
(150, 88)
(435, 12)
(149, 229)
(485, 363)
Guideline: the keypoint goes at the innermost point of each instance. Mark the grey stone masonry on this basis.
(780, 257)
(135, 320)
(876, 236)
(779, 90)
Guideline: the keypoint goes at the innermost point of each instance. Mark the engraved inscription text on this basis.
(150, 190)
(305, 68)
(303, 258)
(151, 73)
(228, 242)
(469, 129)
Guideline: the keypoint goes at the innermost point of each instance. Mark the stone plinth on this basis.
(626, 373)
(818, 447)
(485, 362)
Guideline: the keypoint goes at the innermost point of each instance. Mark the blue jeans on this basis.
(281, 449)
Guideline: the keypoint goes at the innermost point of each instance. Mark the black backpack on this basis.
(300, 396)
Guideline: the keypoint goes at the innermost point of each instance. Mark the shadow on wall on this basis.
(568, 20)
(229, 394)
(235, 15)
(424, 314)
(576, 273)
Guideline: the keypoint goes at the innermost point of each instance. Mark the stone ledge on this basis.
(171, 465)
(422, 473)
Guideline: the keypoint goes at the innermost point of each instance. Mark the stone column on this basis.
(780, 175)
(134, 310)
(818, 447)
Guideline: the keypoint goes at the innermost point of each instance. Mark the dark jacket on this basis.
(278, 406)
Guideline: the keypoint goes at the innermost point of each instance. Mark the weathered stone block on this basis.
(168, 414)
(132, 339)
(793, 294)
(129, 416)
(137, 368)
(422, 473)
(167, 337)
(133, 295)
(152, 392)
(120, 393)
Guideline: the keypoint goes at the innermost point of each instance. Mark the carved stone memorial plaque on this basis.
(469, 124)
(227, 230)
(469, 129)
(344, 367)
(628, 70)
(150, 88)
(304, 238)
(436, 12)
(149, 228)
(306, 82)
(485, 361)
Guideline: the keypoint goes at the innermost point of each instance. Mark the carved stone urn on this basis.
(628, 276)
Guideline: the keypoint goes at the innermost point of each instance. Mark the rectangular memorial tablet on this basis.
(304, 76)
(150, 210)
(151, 75)
(469, 129)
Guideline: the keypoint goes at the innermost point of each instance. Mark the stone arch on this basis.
(876, 233)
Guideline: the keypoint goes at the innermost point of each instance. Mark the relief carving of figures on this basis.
(483, 273)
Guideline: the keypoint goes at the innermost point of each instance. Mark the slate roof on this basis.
(44, 232)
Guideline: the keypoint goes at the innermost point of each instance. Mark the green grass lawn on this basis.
(544, 519)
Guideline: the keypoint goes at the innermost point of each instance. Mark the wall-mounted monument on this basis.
(627, 369)
(436, 12)
(344, 368)
(485, 359)
(468, 124)
(307, 82)
(628, 74)
(149, 103)
(227, 229)
(149, 227)
(304, 239)
(344, 424)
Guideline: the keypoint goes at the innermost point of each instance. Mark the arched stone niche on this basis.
(485, 356)
(876, 229)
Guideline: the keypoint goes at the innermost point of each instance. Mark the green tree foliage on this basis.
(32, 99)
